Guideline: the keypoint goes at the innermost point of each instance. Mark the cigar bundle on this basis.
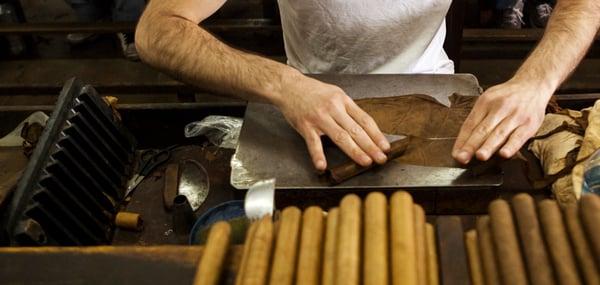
(524, 242)
(374, 241)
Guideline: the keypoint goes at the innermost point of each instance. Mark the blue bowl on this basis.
(223, 212)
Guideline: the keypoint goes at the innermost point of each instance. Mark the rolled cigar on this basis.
(486, 251)
(420, 241)
(581, 248)
(347, 262)
(375, 243)
(213, 256)
(557, 241)
(129, 221)
(590, 218)
(402, 242)
(249, 237)
(432, 259)
(534, 251)
(309, 259)
(504, 236)
(284, 256)
(259, 254)
(330, 247)
(347, 170)
(474, 258)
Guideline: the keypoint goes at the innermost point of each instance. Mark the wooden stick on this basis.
(284, 256)
(486, 251)
(504, 235)
(558, 243)
(347, 263)
(309, 261)
(247, 243)
(420, 241)
(402, 242)
(330, 247)
(581, 248)
(534, 251)
(432, 259)
(375, 246)
(474, 258)
(347, 170)
(257, 265)
(213, 256)
(590, 218)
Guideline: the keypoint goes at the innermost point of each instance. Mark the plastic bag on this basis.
(222, 131)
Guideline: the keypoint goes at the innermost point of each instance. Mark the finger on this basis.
(344, 141)
(315, 148)
(359, 136)
(368, 125)
(475, 117)
(497, 138)
(478, 136)
(516, 141)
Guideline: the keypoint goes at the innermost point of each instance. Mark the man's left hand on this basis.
(504, 117)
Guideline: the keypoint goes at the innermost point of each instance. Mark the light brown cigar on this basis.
(347, 262)
(257, 265)
(129, 221)
(590, 218)
(420, 241)
(557, 241)
(284, 256)
(432, 260)
(474, 259)
(534, 251)
(247, 243)
(213, 256)
(504, 236)
(486, 251)
(309, 260)
(402, 242)
(375, 249)
(581, 248)
(330, 247)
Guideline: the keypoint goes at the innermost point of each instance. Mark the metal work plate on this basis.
(270, 148)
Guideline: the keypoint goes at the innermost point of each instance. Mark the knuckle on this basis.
(355, 131)
(339, 137)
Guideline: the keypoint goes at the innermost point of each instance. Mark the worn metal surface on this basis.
(270, 148)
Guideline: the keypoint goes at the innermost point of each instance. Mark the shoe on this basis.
(539, 17)
(512, 18)
(128, 46)
(79, 38)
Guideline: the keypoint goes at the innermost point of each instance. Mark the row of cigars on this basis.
(377, 241)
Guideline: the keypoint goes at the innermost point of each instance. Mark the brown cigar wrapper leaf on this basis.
(347, 170)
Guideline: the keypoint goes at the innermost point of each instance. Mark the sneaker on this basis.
(540, 16)
(512, 18)
(128, 46)
(80, 38)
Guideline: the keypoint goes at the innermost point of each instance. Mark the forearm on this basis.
(570, 31)
(180, 48)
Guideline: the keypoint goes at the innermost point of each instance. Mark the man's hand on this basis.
(315, 108)
(503, 119)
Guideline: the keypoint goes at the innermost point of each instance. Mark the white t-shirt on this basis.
(365, 36)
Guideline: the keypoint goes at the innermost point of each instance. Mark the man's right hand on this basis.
(315, 108)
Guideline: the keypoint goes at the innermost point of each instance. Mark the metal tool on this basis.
(149, 160)
(193, 182)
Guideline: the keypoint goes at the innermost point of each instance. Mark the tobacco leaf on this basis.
(421, 116)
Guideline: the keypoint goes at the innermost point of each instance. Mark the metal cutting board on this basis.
(269, 147)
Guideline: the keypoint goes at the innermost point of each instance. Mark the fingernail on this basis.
(464, 156)
(384, 145)
(482, 154)
(320, 165)
(380, 157)
(366, 160)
